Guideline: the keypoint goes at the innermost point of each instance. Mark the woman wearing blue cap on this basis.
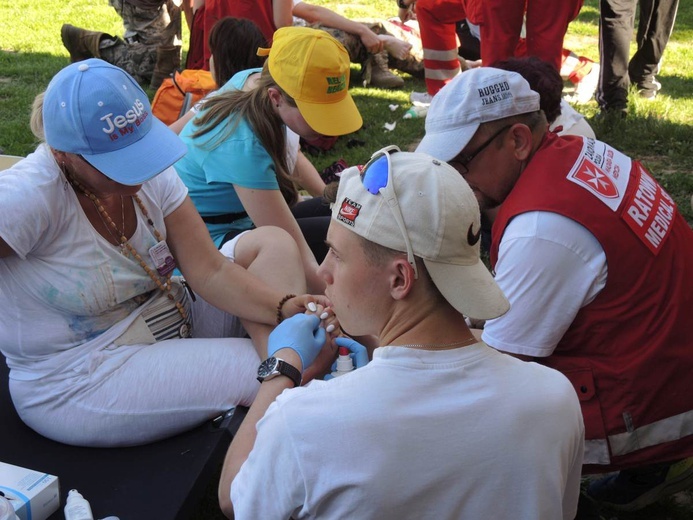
(92, 224)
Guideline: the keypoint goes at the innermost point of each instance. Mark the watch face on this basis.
(267, 367)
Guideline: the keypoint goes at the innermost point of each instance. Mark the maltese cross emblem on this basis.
(596, 180)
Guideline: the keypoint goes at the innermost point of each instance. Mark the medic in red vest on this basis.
(597, 263)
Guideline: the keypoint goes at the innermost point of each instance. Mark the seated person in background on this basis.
(597, 263)
(91, 225)
(377, 46)
(437, 425)
(150, 48)
(236, 167)
(234, 43)
(268, 15)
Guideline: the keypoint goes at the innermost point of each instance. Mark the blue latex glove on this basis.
(301, 333)
(358, 354)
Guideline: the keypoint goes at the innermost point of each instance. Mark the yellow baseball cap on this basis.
(313, 68)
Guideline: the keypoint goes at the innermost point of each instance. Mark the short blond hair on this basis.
(36, 119)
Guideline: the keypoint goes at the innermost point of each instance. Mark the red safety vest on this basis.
(629, 353)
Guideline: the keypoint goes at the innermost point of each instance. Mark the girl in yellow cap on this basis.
(239, 165)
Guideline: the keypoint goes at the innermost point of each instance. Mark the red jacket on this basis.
(629, 353)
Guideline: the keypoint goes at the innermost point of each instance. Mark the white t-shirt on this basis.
(549, 267)
(456, 434)
(572, 122)
(68, 290)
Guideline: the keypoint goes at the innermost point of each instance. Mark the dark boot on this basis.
(167, 61)
(81, 44)
(379, 74)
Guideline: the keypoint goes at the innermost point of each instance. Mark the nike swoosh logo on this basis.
(473, 238)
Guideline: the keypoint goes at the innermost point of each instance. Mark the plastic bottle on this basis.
(414, 112)
(6, 510)
(77, 507)
(344, 363)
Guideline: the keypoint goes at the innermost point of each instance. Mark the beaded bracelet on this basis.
(285, 299)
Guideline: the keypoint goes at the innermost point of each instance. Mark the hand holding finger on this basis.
(301, 333)
(321, 366)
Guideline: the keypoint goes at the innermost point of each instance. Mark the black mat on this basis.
(162, 481)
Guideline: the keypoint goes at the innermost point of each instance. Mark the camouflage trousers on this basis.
(136, 59)
(145, 30)
(151, 26)
(358, 53)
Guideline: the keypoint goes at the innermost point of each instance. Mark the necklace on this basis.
(440, 346)
(110, 225)
(164, 286)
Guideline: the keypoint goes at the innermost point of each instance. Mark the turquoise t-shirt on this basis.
(210, 171)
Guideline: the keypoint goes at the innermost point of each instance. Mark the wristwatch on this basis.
(273, 367)
(402, 5)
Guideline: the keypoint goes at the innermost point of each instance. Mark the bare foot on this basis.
(468, 64)
(395, 47)
(473, 64)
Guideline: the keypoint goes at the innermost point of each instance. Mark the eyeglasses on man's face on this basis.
(462, 161)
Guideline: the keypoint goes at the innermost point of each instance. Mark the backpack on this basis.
(179, 92)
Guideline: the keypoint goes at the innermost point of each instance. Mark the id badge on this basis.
(162, 258)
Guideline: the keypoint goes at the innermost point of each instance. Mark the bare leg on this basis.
(272, 255)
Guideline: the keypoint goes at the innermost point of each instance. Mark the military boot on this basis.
(167, 61)
(379, 75)
(80, 43)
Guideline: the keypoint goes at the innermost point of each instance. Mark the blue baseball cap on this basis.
(97, 110)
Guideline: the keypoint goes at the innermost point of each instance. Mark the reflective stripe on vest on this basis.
(596, 452)
(659, 432)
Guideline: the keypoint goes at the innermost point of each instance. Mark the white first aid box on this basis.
(33, 494)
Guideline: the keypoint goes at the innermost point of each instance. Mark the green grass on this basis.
(659, 133)
(31, 52)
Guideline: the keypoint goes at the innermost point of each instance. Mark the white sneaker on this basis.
(420, 99)
(587, 86)
(650, 93)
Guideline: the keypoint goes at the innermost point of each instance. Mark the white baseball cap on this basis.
(474, 97)
(441, 217)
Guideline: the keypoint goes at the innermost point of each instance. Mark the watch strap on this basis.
(289, 371)
(281, 368)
